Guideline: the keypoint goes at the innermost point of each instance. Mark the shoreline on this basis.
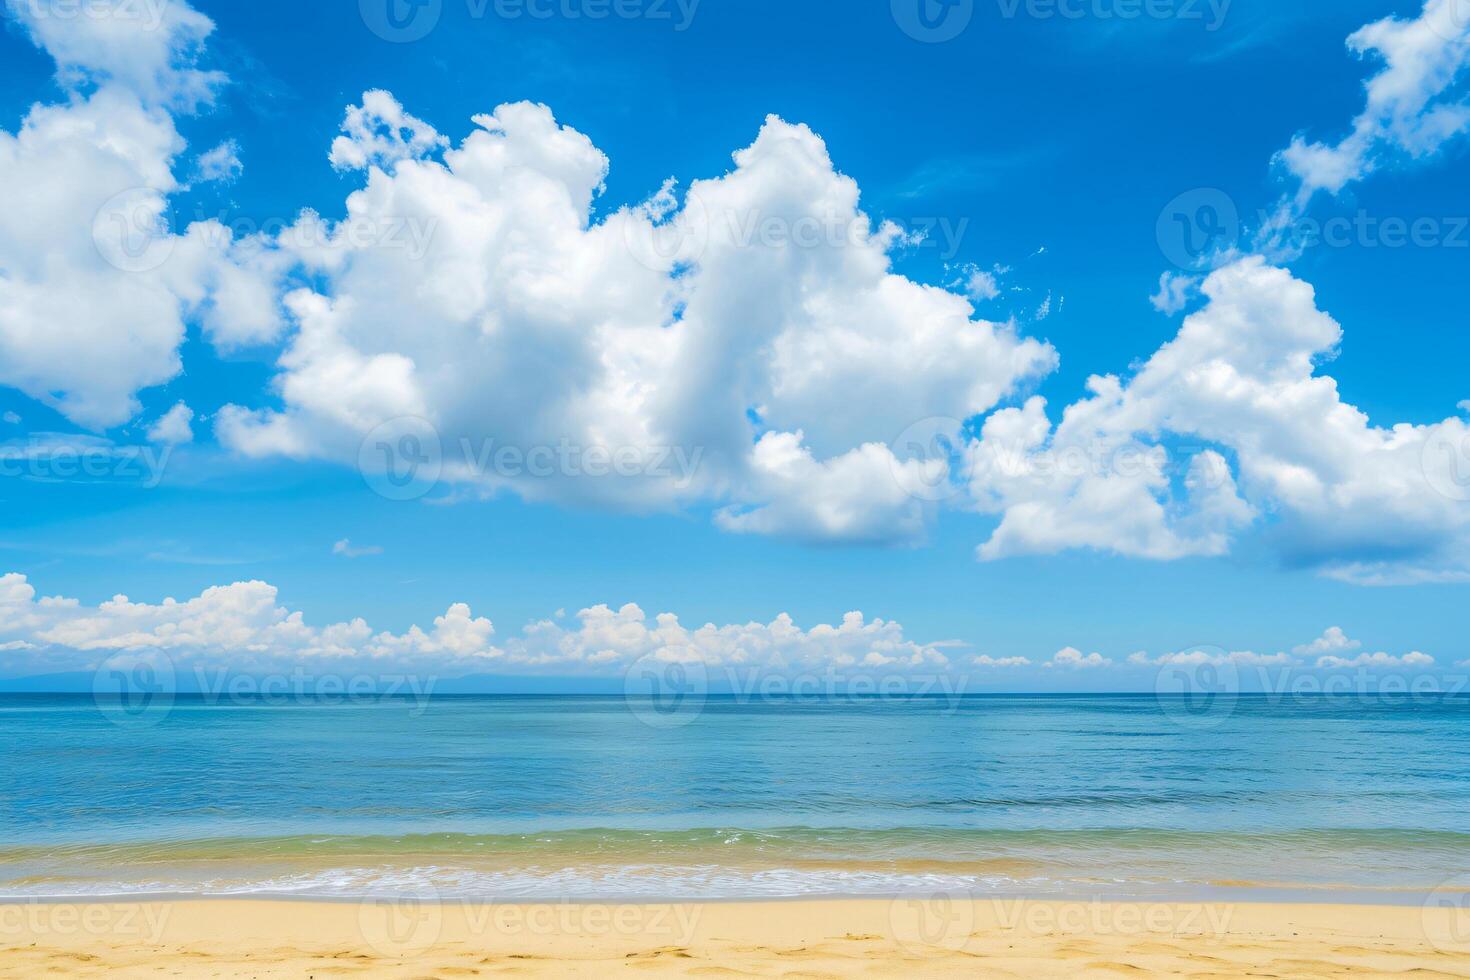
(1296, 895)
(936, 936)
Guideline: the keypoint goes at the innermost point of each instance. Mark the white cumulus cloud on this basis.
(1412, 106)
(756, 326)
(1239, 394)
(174, 427)
(244, 626)
(1074, 658)
(95, 290)
(1414, 659)
(1332, 640)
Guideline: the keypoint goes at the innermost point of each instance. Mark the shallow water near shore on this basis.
(549, 799)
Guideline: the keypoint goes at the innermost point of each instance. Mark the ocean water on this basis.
(543, 798)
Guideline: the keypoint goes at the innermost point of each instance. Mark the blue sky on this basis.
(1039, 149)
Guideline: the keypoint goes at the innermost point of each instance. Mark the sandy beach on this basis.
(938, 937)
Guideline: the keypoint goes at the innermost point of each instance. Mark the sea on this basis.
(604, 798)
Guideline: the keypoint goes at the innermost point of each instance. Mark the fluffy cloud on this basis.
(752, 328)
(1175, 292)
(862, 495)
(221, 163)
(174, 427)
(756, 326)
(148, 47)
(984, 660)
(379, 133)
(346, 549)
(1411, 103)
(244, 626)
(1415, 659)
(95, 291)
(1333, 640)
(1074, 658)
(1240, 381)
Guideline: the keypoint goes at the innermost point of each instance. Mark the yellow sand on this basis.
(935, 938)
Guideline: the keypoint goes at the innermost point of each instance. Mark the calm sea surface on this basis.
(563, 798)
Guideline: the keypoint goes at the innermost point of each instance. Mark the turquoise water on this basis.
(563, 798)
